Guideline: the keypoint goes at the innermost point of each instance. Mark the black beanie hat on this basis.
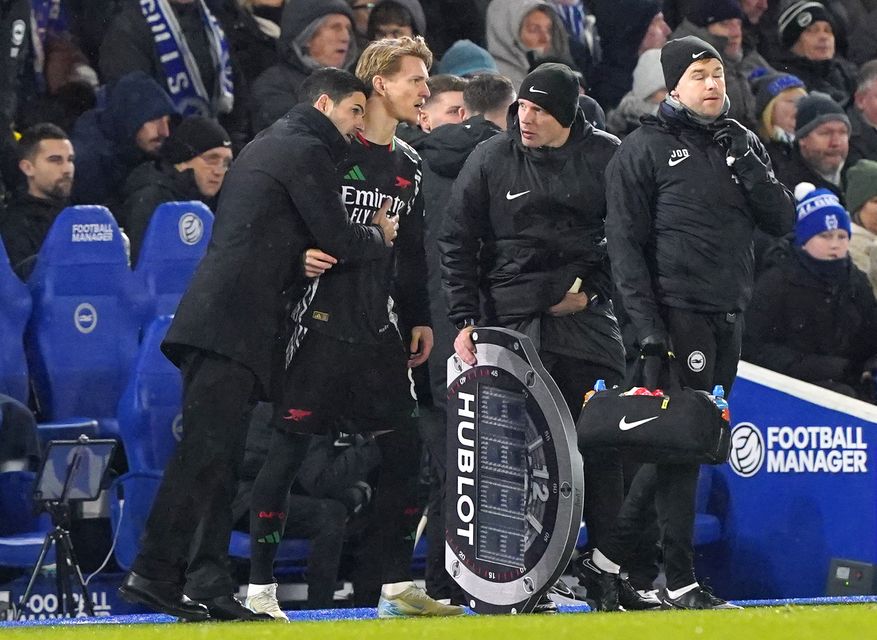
(677, 55)
(799, 15)
(555, 88)
(192, 137)
(707, 12)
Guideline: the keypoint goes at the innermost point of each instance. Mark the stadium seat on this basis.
(21, 532)
(83, 332)
(150, 426)
(175, 242)
(149, 409)
(15, 307)
(707, 527)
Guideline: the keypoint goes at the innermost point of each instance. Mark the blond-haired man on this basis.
(359, 329)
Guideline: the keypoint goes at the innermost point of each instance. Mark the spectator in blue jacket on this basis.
(111, 141)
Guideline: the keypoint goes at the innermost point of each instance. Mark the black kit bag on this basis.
(683, 426)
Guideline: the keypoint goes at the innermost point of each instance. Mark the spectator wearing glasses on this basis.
(193, 163)
(396, 18)
(361, 9)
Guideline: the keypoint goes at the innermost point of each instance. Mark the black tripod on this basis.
(67, 566)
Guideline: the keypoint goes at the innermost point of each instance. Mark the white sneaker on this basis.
(414, 602)
(265, 601)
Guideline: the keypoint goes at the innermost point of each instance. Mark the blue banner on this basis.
(799, 490)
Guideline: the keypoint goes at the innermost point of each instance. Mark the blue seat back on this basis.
(15, 306)
(83, 333)
(175, 242)
(131, 498)
(149, 410)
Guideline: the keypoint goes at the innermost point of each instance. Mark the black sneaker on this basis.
(698, 598)
(602, 586)
(545, 605)
(633, 600)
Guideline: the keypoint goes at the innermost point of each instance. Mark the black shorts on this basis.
(368, 385)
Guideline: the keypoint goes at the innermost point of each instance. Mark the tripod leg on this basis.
(62, 576)
(22, 604)
(74, 565)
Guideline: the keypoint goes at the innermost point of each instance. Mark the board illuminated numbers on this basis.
(501, 528)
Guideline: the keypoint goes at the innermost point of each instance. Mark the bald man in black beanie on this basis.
(685, 193)
(524, 226)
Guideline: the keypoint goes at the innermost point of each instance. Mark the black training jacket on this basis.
(522, 224)
(680, 221)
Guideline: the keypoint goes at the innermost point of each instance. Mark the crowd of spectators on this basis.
(130, 104)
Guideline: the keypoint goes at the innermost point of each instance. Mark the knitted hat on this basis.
(819, 210)
(555, 88)
(861, 184)
(769, 85)
(192, 137)
(648, 76)
(677, 55)
(706, 12)
(465, 58)
(799, 15)
(815, 109)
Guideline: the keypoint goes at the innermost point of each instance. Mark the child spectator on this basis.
(813, 316)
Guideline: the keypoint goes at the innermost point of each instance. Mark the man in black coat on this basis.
(194, 160)
(685, 193)
(47, 161)
(523, 240)
(863, 116)
(281, 196)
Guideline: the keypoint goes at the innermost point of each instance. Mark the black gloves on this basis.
(734, 137)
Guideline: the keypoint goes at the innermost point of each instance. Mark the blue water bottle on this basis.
(721, 403)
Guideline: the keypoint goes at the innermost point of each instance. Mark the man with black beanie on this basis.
(685, 193)
(524, 231)
(193, 163)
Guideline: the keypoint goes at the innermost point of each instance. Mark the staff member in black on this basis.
(685, 193)
(280, 197)
(524, 226)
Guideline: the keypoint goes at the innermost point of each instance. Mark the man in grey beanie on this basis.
(822, 139)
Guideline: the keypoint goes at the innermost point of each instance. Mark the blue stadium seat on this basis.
(149, 409)
(175, 242)
(21, 532)
(83, 332)
(15, 306)
(150, 426)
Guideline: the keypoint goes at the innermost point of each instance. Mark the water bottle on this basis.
(600, 385)
(719, 398)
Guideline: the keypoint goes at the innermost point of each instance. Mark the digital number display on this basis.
(501, 529)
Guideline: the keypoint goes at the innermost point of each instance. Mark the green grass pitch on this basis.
(773, 623)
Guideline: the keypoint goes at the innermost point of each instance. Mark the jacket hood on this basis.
(298, 15)
(622, 25)
(504, 19)
(417, 15)
(136, 98)
(448, 146)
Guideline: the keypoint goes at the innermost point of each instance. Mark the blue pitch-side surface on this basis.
(371, 614)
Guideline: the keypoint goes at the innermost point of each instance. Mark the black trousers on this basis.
(371, 386)
(189, 527)
(707, 346)
(604, 473)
